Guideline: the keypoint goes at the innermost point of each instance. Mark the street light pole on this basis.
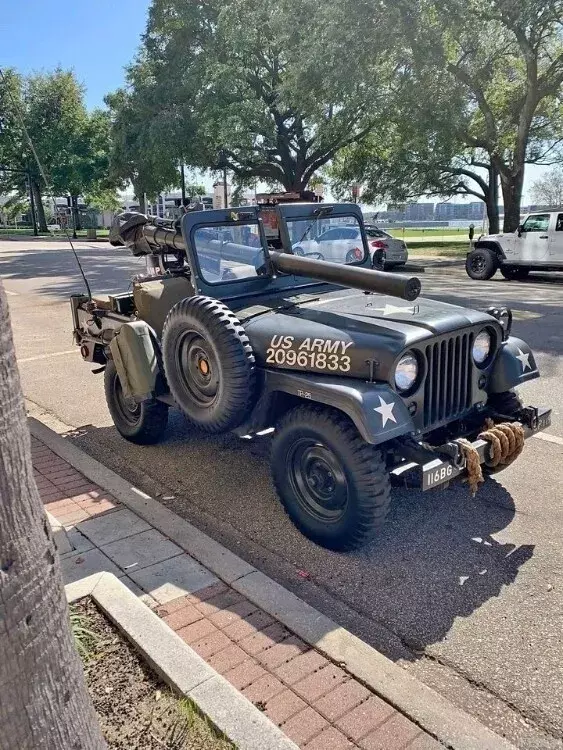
(223, 166)
(183, 173)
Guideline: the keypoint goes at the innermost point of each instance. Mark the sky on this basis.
(96, 39)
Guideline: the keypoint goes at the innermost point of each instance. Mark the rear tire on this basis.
(209, 364)
(142, 423)
(514, 273)
(481, 264)
(333, 485)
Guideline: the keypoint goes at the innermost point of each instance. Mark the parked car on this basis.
(388, 251)
(343, 244)
(537, 245)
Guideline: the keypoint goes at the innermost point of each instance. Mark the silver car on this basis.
(343, 244)
(386, 251)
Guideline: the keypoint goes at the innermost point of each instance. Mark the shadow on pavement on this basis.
(434, 560)
(105, 267)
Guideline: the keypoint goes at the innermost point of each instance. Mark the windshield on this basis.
(337, 239)
(228, 252)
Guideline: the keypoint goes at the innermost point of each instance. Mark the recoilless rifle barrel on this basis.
(144, 238)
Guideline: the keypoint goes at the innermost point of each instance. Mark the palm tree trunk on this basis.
(44, 704)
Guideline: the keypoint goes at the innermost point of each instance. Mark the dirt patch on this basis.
(137, 711)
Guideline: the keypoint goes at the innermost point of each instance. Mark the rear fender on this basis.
(376, 410)
(136, 359)
(515, 364)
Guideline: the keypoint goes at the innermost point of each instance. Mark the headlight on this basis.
(481, 347)
(406, 372)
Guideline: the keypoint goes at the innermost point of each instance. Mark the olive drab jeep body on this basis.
(361, 378)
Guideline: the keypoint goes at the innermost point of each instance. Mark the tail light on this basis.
(379, 244)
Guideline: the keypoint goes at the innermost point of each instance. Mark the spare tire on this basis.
(209, 363)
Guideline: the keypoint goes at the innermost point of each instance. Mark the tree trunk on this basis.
(491, 200)
(44, 703)
(39, 208)
(512, 185)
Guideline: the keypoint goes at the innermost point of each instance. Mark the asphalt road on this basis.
(465, 593)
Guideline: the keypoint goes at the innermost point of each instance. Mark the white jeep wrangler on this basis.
(537, 245)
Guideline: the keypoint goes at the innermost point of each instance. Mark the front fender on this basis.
(376, 410)
(515, 364)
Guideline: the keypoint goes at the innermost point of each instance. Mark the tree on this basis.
(45, 703)
(138, 152)
(270, 85)
(507, 59)
(548, 190)
(71, 144)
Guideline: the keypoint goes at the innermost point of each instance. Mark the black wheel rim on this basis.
(318, 480)
(477, 263)
(130, 410)
(198, 368)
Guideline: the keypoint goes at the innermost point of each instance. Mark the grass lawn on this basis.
(438, 248)
(456, 232)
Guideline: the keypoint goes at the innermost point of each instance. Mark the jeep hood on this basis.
(350, 324)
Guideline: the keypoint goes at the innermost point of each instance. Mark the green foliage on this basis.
(479, 94)
(270, 85)
(71, 144)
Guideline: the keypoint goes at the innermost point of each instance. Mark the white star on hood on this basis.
(394, 310)
(386, 411)
(524, 358)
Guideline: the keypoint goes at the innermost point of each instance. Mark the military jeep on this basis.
(362, 380)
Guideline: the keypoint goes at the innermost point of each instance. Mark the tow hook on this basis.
(453, 452)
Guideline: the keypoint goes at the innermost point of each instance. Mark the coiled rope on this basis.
(506, 441)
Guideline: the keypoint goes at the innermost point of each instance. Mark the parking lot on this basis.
(465, 593)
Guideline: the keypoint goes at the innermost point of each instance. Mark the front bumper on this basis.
(437, 471)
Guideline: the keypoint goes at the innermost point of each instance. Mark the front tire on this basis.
(514, 273)
(142, 423)
(481, 264)
(333, 485)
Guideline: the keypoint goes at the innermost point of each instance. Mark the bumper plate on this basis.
(440, 471)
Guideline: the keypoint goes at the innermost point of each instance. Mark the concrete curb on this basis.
(180, 666)
(432, 712)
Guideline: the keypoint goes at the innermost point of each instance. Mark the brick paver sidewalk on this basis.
(315, 703)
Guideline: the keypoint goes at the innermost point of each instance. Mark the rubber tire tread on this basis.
(223, 330)
(491, 265)
(153, 420)
(362, 462)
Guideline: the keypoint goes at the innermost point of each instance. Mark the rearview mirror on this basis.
(519, 230)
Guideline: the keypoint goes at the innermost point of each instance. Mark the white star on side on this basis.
(386, 411)
(524, 358)
(393, 310)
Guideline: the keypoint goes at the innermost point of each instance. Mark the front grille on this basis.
(447, 389)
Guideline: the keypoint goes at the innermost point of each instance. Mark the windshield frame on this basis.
(314, 211)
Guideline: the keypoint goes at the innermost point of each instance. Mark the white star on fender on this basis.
(393, 310)
(386, 411)
(524, 358)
